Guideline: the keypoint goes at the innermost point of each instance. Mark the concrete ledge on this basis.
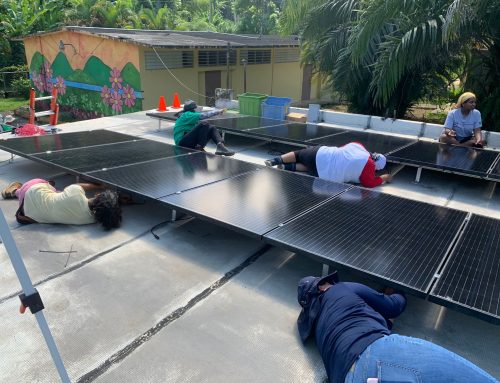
(492, 139)
(411, 128)
(432, 131)
(346, 119)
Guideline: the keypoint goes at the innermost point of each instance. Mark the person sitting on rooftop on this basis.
(189, 132)
(463, 124)
(348, 163)
(351, 323)
(39, 202)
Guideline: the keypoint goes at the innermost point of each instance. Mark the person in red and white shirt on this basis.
(348, 163)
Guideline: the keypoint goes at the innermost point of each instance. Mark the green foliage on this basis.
(22, 86)
(10, 104)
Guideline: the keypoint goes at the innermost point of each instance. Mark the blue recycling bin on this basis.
(276, 107)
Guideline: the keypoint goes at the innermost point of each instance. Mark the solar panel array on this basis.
(402, 242)
(470, 280)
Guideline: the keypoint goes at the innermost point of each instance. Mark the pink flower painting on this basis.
(106, 95)
(116, 101)
(60, 85)
(115, 79)
(128, 96)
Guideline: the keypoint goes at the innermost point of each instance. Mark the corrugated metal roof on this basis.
(187, 39)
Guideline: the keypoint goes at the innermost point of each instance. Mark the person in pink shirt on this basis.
(348, 163)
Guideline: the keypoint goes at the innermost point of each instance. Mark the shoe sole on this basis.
(10, 191)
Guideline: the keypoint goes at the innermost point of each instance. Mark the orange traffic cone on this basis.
(177, 102)
(162, 107)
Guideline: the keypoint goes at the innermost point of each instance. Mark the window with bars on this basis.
(172, 59)
(254, 56)
(286, 55)
(216, 58)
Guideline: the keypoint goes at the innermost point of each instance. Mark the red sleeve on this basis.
(367, 177)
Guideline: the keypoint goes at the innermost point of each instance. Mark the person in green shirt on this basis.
(189, 132)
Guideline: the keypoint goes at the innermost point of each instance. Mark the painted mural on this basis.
(96, 90)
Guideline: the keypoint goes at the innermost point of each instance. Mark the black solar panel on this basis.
(171, 116)
(379, 143)
(111, 155)
(440, 156)
(495, 173)
(243, 123)
(159, 178)
(387, 237)
(296, 131)
(257, 202)
(471, 279)
(51, 142)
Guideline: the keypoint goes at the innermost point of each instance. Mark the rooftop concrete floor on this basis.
(202, 303)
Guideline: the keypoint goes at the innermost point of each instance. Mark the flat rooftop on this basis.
(199, 304)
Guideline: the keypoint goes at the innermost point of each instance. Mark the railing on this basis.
(6, 86)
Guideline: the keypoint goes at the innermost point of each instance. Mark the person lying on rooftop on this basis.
(351, 323)
(189, 132)
(463, 124)
(40, 202)
(348, 163)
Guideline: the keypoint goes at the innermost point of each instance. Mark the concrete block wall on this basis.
(359, 121)
(410, 128)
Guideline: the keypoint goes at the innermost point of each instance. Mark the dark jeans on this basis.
(307, 157)
(200, 135)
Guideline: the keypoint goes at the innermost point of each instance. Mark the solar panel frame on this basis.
(470, 279)
(159, 178)
(257, 202)
(54, 142)
(494, 173)
(243, 124)
(285, 132)
(350, 232)
(373, 142)
(93, 158)
(449, 158)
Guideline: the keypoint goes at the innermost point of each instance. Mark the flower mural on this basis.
(116, 101)
(128, 96)
(106, 95)
(38, 81)
(115, 79)
(60, 85)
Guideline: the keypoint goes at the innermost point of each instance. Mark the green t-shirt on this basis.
(184, 124)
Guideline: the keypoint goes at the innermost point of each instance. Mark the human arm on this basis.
(205, 115)
(368, 178)
(448, 125)
(389, 306)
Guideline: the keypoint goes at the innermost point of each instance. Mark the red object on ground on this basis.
(29, 130)
(177, 102)
(162, 107)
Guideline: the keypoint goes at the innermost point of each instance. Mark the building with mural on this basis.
(103, 71)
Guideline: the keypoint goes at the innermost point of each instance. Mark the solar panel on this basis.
(159, 178)
(111, 155)
(373, 142)
(389, 238)
(495, 172)
(470, 280)
(296, 131)
(170, 116)
(243, 123)
(449, 157)
(29, 145)
(256, 202)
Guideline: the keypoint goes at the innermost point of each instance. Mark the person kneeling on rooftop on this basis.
(348, 163)
(190, 133)
(351, 323)
(39, 202)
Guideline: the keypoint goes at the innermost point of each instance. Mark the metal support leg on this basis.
(326, 269)
(223, 135)
(491, 189)
(419, 173)
(159, 124)
(11, 158)
(174, 215)
(77, 179)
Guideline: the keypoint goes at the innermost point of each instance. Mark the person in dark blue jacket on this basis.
(351, 323)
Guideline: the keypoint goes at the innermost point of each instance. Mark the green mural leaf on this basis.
(97, 70)
(61, 66)
(131, 76)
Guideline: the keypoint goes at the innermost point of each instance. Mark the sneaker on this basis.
(269, 163)
(199, 148)
(10, 191)
(222, 150)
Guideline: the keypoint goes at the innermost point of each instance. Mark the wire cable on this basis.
(166, 222)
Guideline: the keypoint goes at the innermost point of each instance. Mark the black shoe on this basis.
(222, 150)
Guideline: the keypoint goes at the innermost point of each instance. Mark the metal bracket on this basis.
(419, 173)
(33, 301)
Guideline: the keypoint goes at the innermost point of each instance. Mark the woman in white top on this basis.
(463, 124)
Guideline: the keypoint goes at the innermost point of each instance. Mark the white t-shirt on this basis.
(343, 164)
(45, 205)
(463, 125)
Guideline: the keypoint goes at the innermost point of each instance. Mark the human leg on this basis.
(399, 358)
(445, 139)
(198, 136)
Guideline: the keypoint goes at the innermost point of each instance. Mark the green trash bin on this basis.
(250, 103)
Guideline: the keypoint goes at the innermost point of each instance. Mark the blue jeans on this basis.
(401, 359)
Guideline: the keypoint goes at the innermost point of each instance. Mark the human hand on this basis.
(386, 177)
(450, 133)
